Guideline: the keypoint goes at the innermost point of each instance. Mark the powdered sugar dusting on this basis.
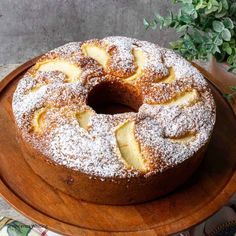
(159, 127)
(122, 58)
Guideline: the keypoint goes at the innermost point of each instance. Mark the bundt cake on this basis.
(114, 120)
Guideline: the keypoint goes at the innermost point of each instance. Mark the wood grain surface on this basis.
(6, 209)
(208, 190)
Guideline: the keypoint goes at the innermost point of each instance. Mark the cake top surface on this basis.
(174, 109)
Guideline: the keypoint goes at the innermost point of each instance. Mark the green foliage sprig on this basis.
(206, 27)
(229, 96)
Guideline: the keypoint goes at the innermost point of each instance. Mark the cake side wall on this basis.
(114, 191)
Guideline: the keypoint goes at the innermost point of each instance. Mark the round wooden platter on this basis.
(209, 189)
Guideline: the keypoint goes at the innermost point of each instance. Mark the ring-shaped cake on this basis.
(127, 157)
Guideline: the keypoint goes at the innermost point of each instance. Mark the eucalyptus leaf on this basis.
(185, 18)
(209, 10)
(218, 26)
(230, 59)
(225, 45)
(220, 7)
(187, 1)
(229, 50)
(225, 4)
(226, 35)
(181, 28)
(221, 14)
(201, 4)
(159, 17)
(146, 23)
(197, 37)
(204, 27)
(232, 9)
(218, 41)
(209, 5)
(215, 2)
(188, 8)
(228, 23)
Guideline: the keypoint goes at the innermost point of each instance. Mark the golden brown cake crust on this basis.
(115, 190)
(173, 118)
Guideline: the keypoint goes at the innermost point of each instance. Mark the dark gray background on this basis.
(31, 27)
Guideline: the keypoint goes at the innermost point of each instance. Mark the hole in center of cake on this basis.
(113, 97)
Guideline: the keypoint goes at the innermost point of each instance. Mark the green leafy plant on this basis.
(206, 27)
(229, 96)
